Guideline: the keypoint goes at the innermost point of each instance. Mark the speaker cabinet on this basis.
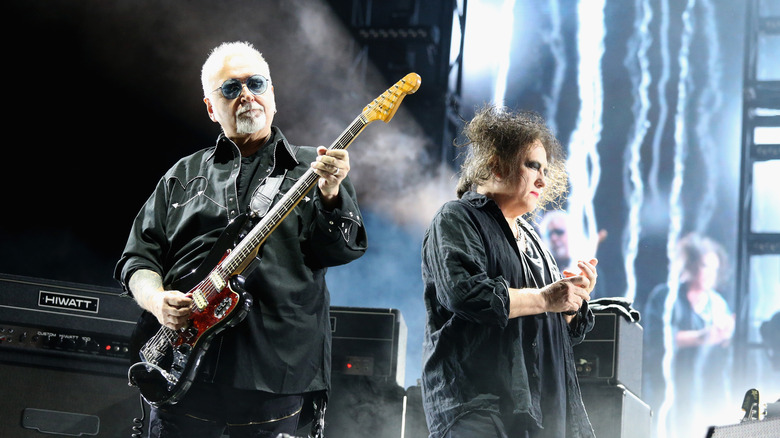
(611, 353)
(368, 342)
(767, 428)
(38, 402)
(415, 424)
(616, 412)
(359, 406)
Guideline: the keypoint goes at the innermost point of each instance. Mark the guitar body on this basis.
(165, 361)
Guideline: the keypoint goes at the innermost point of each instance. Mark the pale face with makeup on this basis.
(518, 197)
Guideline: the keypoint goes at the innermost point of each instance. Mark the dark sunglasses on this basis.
(231, 88)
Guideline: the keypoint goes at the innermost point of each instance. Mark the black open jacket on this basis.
(474, 356)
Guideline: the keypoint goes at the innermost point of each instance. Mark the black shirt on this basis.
(474, 356)
(283, 345)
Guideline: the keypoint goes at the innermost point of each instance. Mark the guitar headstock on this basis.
(750, 405)
(384, 107)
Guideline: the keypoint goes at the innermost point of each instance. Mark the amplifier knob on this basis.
(51, 341)
(68, 344)
(92, 345)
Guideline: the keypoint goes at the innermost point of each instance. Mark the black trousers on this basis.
(209, 410)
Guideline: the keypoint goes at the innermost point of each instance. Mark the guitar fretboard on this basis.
(248, 246)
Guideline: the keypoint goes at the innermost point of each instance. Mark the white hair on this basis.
(217, 57)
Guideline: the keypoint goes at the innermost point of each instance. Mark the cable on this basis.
(138, 423)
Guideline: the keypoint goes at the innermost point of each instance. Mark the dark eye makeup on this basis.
(535, 165)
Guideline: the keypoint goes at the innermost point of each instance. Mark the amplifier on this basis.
(357, 408)
(611, 353)
(767, 428)
(64, 359)
(67, 325)
(368, 342)
(615, 412)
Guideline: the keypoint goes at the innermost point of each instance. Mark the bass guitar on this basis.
(165, 360)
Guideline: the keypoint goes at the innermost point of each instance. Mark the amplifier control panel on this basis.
(25, 338)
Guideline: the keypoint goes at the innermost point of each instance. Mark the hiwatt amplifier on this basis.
(64, 359)
(368, 342)
(611, 353)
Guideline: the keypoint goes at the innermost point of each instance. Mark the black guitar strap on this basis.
(265, 194)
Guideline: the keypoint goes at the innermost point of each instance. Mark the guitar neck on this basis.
(244, 252)
(382, 108)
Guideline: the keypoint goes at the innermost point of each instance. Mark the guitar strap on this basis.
(265, 194)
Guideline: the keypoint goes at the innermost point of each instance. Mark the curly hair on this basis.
(500, 140)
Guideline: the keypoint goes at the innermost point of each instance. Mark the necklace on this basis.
(520, 238)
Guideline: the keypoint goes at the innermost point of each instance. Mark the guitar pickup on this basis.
(217, 280)
(199, 299)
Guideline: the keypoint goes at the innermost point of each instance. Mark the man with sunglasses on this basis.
(553, 229)
(257, 378)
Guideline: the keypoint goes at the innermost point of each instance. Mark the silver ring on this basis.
(338, 169)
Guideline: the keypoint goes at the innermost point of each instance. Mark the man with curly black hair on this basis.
(501, 318)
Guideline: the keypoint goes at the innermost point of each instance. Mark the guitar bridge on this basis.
(222, 308)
